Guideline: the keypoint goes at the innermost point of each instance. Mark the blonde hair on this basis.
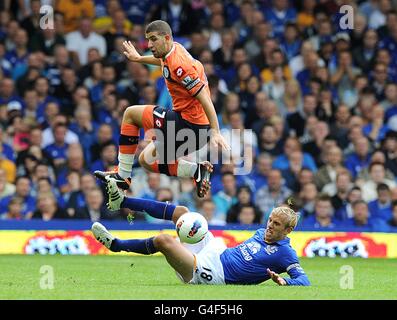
(291, 215)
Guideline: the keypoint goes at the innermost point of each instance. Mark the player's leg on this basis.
(180, 258)
(156, 209)
(200, 172)
(134, 118)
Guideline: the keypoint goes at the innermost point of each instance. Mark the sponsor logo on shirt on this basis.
(186, 80)
(249, 249)
(179, 72)
(271, 249)
(192, 84)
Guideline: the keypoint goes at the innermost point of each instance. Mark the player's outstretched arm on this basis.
(216, 137)
(133, 55)
(276, 278)
(298, 278)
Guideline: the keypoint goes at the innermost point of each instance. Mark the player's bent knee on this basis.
(164, 242)
(178, 212)
(183, 209)
(131, 114)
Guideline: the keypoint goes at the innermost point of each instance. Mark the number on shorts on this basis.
(206, 276)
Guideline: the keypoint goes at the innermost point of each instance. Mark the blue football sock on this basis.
(143, 246)
(156, 209)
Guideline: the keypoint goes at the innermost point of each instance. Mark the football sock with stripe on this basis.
(128, 143)
(156, 209)
(143, 246)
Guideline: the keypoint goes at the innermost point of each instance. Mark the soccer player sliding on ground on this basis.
(262, 257)
(192, 110)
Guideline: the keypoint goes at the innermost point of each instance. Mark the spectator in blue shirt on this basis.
(258, 176)
(7, 92)
(95, 208)
(5, 148)
(273, 194)
(323, 214)
(292, 144)
(393, 221)
(295, 166)
(290, 43)
(77, 199)
(346, 211)
(376, 129)
(108, 158)
(362, 221)
(360, 158)
(85, 128)
(41, 86)
(108, 76)
(18, 57)
(381, 207)
(14, 209)
(153, 183)
(279, 14)
(57, 151)
(44, 185)
(227, 197)
(22, 190)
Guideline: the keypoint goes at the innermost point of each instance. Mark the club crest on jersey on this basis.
(166, 72)
(271, 249)
(179, 72)
(254, 247)
(193, 230)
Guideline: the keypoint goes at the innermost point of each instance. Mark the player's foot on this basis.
(102, 234)
(116, 196)
(202, 178)
(121, 182)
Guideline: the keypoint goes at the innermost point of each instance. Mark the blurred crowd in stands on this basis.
(321, 102)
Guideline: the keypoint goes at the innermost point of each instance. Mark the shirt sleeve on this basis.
(189, 78)
(297, 276)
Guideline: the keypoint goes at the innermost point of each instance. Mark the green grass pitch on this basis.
(150, 278)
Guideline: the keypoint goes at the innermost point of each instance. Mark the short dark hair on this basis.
(228, 173)
(356, 203)
(159, 26)
(376, 163)
(323, 197)
(382, 187)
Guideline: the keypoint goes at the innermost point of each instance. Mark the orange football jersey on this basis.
(185, 78)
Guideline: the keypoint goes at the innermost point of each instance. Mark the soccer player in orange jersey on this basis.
(192, 109)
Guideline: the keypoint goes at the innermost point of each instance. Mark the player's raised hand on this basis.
(130, 51)
(218, 140)
(276, 278)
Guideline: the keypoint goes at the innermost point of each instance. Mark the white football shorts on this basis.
(209, 269)
(207, 253)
